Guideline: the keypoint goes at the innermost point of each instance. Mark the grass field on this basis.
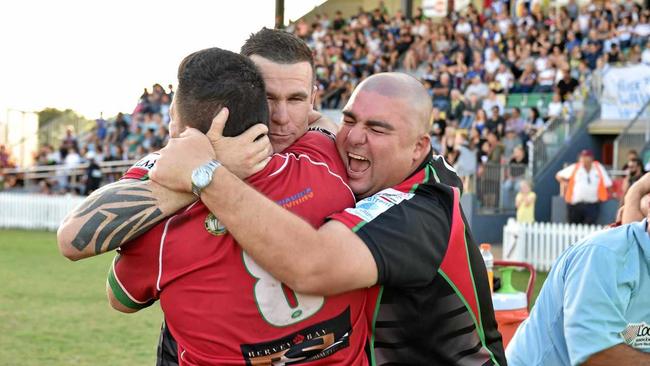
(54, 312)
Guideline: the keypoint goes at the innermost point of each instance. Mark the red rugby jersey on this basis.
(220, 306)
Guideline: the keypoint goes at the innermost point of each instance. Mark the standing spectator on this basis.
(584, 186)
(555, 107)
(634, 171)
(515, 173)
(496, 123)
(93, 178)
(525, 202)
(566, 85)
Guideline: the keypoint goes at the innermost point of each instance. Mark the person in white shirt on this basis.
(584, 184)
(463, 27)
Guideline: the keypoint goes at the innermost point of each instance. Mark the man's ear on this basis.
(422, 147)
(314, 89)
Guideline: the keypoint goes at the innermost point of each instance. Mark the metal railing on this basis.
(635, 136)
(32, 175)
(545, 146)
(496, 186)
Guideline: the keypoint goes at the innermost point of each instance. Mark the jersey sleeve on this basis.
(407, 234)
(141, 169)
(133, 274)
(595, 302)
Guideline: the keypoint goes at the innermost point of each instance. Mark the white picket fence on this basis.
(34, 211)
(541, 243)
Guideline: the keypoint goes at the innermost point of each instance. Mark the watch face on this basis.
(200, 177)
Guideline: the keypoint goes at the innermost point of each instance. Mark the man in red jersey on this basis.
(203, 288)
(110, 217)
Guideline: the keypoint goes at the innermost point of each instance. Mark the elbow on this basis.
(310, 280)
(64, 240)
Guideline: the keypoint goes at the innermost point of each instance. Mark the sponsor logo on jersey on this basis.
(637, 335)
(141, 169)
(214, 226)
(306, 345)
(296, 199)
(369, 208)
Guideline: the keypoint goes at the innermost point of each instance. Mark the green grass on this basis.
(54, 312)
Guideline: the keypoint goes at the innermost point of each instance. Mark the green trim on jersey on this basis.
(469, 310)
(358, 226)
(121, 295)
(374, 323)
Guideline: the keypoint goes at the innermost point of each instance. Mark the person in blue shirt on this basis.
(594, 308)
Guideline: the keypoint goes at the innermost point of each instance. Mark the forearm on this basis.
(115, 214)
(631, 202)
(280, 242)
(620, 355)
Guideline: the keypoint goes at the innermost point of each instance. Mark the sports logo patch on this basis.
(637, 335)
(214, 226)
(369, 208)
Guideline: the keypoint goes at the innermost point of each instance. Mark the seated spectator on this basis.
(441, 91)
(492, 101)
(516, 123)
(457, 107)
(504, 78)
(478, 88)
(593, 307)
(527, 81)
(469, 114)
(496, 123)
(480, 122)
(555, 107)
(546, 78)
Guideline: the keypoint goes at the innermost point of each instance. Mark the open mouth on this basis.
(357, 164)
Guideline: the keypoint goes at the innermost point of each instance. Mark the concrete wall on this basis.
(485, 228)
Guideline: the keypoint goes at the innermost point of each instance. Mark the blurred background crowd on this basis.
(496, 80)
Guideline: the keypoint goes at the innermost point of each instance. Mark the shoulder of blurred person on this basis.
(594, 298)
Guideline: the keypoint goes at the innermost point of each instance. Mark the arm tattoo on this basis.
(117, 214)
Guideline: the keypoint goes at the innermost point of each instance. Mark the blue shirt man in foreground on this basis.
(594, 308)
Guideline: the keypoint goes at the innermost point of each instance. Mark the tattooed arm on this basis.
(115, 214)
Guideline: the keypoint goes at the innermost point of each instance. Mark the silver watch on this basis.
(202, 176)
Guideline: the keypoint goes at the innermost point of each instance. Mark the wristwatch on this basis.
(202, 176)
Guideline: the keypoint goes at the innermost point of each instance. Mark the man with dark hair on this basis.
(289, 92)
(227, 325)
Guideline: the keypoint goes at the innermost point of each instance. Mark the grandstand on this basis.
(500, 76)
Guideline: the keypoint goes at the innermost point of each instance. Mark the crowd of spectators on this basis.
(124, 137)
(470, 62)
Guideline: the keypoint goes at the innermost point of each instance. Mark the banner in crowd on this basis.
(435, 8)
(625, 92)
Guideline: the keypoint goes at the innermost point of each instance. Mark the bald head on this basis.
(405, 87)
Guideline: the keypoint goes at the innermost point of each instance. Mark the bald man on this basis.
(406, 240)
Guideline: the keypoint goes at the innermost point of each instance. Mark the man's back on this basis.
(221, 307)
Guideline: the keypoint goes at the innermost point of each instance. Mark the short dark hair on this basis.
(211, 79)
(278, 46)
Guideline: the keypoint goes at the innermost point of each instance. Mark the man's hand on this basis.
(243, 155)
(179, 158)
